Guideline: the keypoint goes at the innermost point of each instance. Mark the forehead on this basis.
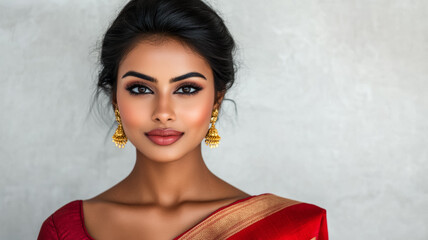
(164, 59)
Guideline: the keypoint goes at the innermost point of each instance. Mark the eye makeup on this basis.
(137, 88)
(187, 86)
(140, 89)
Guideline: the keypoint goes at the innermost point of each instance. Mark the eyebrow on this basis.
(152, 79)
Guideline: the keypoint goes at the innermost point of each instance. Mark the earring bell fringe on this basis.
(212, 139)
(119, 137)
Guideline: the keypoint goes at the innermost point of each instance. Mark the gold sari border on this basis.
(235, 218)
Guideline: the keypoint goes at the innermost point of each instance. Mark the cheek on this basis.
(200, 116)
(131, 112)
(197, 115)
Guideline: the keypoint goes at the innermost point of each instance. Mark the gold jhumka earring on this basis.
(212, 138)
(119, 137)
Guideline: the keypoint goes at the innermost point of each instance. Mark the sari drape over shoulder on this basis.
(264, 216)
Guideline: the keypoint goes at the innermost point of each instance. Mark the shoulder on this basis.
(65, 223)
(294, 210)
(297, 216)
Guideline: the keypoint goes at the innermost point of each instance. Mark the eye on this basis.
(136, 89)
(189, 89)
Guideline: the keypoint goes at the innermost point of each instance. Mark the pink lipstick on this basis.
(164, 136)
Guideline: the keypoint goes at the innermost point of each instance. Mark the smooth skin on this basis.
(170, 189)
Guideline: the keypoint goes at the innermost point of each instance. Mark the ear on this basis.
(219, 99)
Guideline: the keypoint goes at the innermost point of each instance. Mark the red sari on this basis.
(264, 216)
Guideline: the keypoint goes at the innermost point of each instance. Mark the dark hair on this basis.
(192, 22)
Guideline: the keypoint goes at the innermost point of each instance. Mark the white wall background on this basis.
(332, 110)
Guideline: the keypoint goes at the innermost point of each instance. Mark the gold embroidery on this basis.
(233, 219)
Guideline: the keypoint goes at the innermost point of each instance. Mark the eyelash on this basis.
(195, 86)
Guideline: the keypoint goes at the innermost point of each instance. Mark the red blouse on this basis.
(65, 223)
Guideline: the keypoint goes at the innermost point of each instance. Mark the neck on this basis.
(170, 183)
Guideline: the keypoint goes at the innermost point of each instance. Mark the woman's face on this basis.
(165, 85)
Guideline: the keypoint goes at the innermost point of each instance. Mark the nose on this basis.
(164, 110)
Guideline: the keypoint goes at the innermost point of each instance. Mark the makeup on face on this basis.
(164, 136)
(136, 88)
(165, 95)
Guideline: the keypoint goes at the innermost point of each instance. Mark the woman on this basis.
(166, 66)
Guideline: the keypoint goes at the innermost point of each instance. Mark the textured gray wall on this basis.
(332, 100)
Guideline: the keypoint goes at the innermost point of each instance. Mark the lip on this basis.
(164, 136)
